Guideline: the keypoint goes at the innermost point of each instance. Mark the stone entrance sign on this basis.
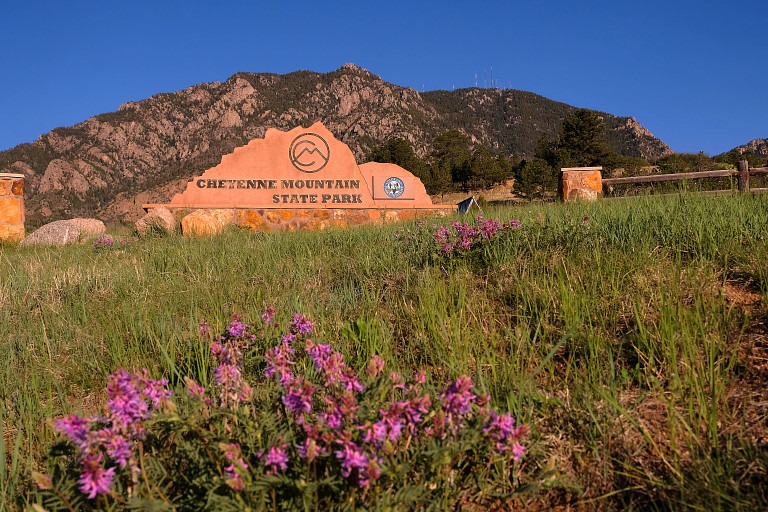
(303, 179)
(11, 207)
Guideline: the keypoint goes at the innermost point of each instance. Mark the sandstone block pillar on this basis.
(11, 207)
(581, 183)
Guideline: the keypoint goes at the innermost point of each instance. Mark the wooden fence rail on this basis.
(744, 172)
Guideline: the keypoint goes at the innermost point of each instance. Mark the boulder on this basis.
(201, 223)
(60, 232)
(89, 228)
(65, 232)
(158, 220)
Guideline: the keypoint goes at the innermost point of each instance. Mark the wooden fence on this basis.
(743, 172)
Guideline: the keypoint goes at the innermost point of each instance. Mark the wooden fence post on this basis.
(743, 176)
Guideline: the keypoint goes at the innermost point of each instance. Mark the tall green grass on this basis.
(626, 333)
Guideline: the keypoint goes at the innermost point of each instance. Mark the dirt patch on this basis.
(738, 294)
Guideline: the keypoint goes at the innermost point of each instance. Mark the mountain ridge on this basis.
(150, 148)
(757, 146)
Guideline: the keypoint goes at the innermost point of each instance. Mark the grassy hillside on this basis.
(630, 335)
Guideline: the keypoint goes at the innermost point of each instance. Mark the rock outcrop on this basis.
(758, 146)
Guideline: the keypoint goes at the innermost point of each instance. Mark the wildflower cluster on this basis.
(334, 423)
(103, 242)
(464, 236)
(349, 430)
(105, 443)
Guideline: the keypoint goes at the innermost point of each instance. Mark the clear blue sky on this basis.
(695, 73)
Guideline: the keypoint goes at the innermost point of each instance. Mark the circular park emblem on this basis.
(309, 152)
(394, 187)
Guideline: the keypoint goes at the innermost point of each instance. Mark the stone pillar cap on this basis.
(10, 175)
(581, 169)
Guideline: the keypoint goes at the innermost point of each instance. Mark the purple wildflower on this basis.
(226, 374)
(375, 367)
(351, 457)
(333, 419)
(130, 400)
(155, 390)
(276, 459)
(234, 389)
(279, 362)
(357, 464)
(103, 242)
(226, 351)
(488, 227)
(77, 429)
(415, 408)
(501, 430)
(457, 399)
(118, 447)
(518, 451)
(400, 416)
(299, 398)
(126, 405)
(397, 380)
(232, 453)
(350, 381)
(318, 352)
(376, 433)
(348, 405)
(193, 388)
(268, 315)
(300, 324)
(94, 479)
(309, 450)
(331, 364)
(441, 235)
(236, 327)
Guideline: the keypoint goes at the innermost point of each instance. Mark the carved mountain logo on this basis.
(309, 152)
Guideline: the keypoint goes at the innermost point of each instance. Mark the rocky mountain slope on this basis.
(110, 164)
(758, 146)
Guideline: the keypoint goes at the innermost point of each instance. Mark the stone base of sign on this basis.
(11, 207)
(204, 222)
(581, 183)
